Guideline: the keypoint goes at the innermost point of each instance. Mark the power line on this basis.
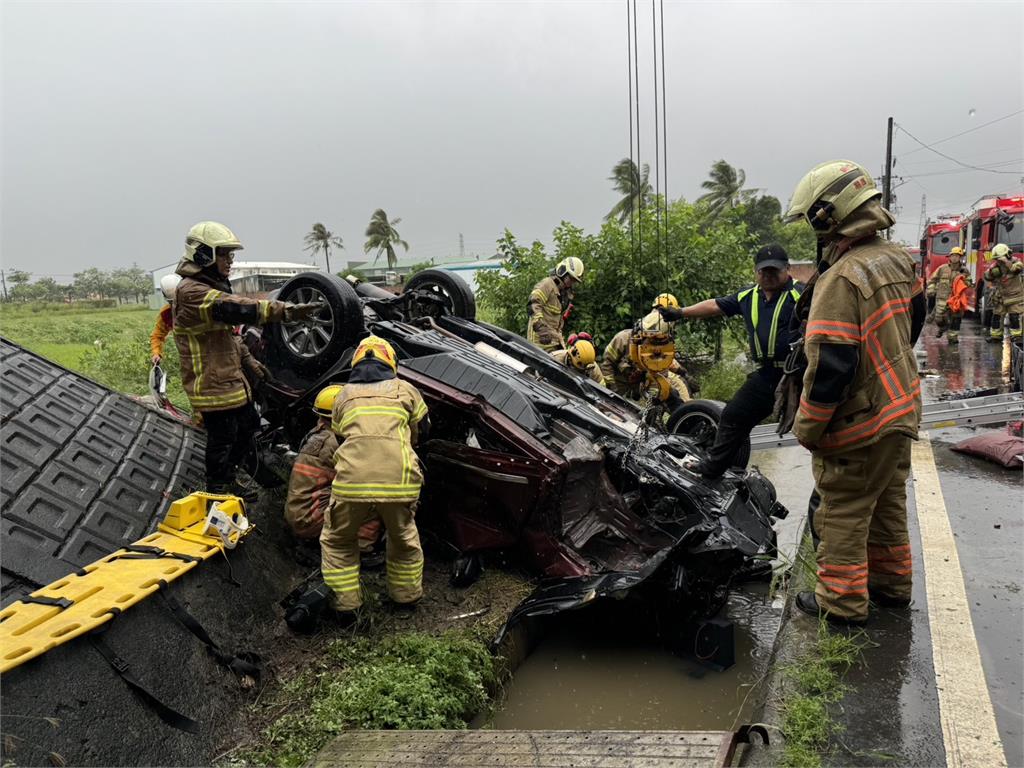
(969, 130)
(953, 159)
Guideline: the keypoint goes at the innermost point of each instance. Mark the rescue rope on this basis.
(664, 138)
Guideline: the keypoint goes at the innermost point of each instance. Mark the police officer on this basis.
(861, 400)
(766, 308)
(940, 289)
(581, 356)
(378, 419)
(549, 301)
(214, 362)
(1008, 275)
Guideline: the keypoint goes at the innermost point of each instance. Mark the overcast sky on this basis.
(123, 124)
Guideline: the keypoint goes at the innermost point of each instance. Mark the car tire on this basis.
(455, 293)
(699, 419)
(312, 349)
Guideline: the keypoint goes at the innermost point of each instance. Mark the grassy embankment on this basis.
(813, 684)
(68, 335)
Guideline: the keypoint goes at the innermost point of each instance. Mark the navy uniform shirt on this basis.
(767, 322)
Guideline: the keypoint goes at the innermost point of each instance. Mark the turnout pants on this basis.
(752, 404)
(947, 319)
(339, 550)
(228, 438)
(862, 523)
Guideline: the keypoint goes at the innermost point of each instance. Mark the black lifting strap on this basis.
(170, 716)
(241, 664)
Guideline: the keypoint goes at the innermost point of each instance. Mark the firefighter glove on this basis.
(295, 313)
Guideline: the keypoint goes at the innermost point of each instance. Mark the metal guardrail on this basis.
(990, 409)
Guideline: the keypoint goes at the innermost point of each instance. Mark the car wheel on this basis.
(312, 347)
(698, 420)
(443, 290)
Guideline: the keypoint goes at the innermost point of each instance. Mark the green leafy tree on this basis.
(322, 239)
(92, 283)
(701, 261)
(724, 189)
(381, 236)
(634, 187)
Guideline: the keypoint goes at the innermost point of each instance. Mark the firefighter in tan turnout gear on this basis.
(377, 418)
(214, 362)
(861, 400)
(581, 356)
(626, 378)
(1007, 275)
(549, 302)
(309, 488)
(940, 289)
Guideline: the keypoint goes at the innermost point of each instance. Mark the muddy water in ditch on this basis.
(592, 674)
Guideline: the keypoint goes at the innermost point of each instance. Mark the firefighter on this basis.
(860, 404)
(213, 360)
(164, 320)
(767, 310)
(624, 377)
(580, 355)
(550, 301)
(1006, 273)
(995, 301)
(377, 418)
(309, 488)
(940, 287)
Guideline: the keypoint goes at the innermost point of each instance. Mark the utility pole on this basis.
(924, 215)
(462, 248)
(887, 178)
(3, 279)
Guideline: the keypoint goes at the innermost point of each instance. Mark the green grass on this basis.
(816, 680)
(407, 681)
(68, 336)
(721, 380)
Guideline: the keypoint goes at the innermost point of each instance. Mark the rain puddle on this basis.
(589, 672)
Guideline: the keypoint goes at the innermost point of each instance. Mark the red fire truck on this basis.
(939, 238)
(993, 219)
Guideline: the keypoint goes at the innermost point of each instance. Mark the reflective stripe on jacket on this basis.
(309, 489)
(1009, 280)
(863, 300)
(376, 426)
(211, 355)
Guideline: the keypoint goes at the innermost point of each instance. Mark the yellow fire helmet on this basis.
(323, 405)
(205, 238)
(376, 348)
(666, 300)
(1001, 251)
(829, 193)
(582, 354)
(570, 267)
(956, 252)
(653, 322)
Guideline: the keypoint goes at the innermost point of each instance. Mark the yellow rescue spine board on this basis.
(81, 602)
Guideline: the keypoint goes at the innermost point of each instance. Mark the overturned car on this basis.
(524, 457)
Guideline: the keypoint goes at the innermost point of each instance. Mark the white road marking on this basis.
(965, 707)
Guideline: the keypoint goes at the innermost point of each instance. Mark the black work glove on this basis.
(671, 314)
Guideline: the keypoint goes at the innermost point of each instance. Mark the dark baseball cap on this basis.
(771, 256)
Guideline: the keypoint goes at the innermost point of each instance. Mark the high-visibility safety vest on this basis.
(773, 330)
(376, 427)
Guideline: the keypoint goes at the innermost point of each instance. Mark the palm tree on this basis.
(725, 189)
(322, 239)
(382, 236)
(634, 188)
